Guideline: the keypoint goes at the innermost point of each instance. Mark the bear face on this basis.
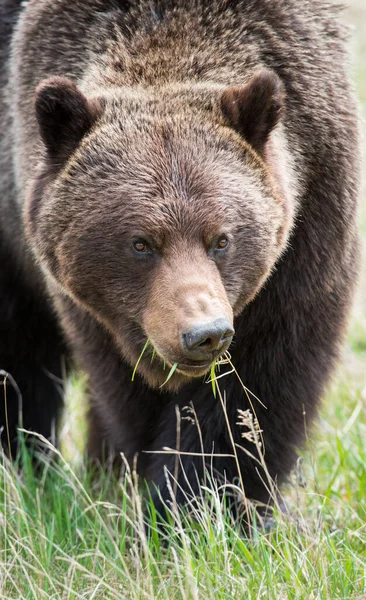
(161, 219)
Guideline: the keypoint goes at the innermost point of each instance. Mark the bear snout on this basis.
(188, 318)
(207, 340)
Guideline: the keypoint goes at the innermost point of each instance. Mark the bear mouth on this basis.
(196, 369)
(186, 367)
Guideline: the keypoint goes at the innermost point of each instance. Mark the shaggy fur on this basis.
(178, 122)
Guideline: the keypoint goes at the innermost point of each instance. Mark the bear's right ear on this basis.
(254, 109)
(64, 115)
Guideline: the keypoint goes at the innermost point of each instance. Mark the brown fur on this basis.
(177, 123)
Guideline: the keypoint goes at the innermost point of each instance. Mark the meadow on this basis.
(69, 535)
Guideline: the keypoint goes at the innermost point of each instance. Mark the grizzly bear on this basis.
(180, 176)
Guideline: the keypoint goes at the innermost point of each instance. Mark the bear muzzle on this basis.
(205, 341)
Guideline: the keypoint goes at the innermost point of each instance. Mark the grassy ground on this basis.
(69, 536)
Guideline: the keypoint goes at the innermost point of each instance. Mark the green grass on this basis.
(147, 344)
(69, 535)
(153, 354)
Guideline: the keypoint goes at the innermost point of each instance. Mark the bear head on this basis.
(161, 212)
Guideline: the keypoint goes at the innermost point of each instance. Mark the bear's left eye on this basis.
(141, 247)
(222, 243)
(218, 247)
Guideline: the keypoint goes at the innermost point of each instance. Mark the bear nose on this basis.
(205, 339)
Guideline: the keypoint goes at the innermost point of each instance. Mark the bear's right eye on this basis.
(141, 247)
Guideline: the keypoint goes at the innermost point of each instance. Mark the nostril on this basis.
(205, 343)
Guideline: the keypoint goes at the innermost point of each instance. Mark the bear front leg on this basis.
(32, 359)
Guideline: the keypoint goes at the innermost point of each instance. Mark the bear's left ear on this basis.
(254, 109)
(64, 115)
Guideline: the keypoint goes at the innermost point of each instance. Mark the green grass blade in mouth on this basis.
(170, 374)
(147, 343)
(213, 378)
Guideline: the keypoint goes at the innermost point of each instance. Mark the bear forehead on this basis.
(194, 161)
(164, 176)
(160, 175)
(161, 215)
(167, 147)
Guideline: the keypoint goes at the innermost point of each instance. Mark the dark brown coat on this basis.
(177, 123)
